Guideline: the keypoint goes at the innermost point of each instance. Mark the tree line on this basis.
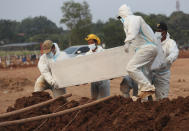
(78, 19)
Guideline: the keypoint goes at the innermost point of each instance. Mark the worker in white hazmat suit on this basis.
(161, 78)
(99, 89)
(139, 36)
(46, 81)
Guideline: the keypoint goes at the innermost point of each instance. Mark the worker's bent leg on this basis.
(161, 84)
(40, 84)
(104, 89)
(135, 88)
(58, 92)
(94, 90)
(126, 85)
(144, 57)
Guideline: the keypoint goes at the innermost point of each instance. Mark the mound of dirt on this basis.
(117, 113)
(36, 98)
(14, 84)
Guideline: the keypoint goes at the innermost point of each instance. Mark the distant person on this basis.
(162, 76)
(99, 89)
(33, 57)
(7, 59)
(24, 59)
(46, 81)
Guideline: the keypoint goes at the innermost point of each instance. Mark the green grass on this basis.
(17, 53)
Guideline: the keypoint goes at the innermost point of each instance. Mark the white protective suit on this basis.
(45, 80)
(141, 38)
(162, 76)
(99, 89)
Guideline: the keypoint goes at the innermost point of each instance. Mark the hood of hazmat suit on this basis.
(124, 11)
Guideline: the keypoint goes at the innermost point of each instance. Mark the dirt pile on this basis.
(46, 124)
(124, 114)
(117, 113)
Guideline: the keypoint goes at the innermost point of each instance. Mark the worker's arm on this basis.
(173, 52)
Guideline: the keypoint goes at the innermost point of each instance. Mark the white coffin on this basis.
(105, 65)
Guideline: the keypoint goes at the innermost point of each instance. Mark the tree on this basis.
(8, 31)
(152, 20)
(178, 27)
(62, 40)
(113, 33)
(77, 18)
(38, 25)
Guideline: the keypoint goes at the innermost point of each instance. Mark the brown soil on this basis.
(117, 113)
(178, 84)
(121, 114)
(11, 85)
(49, 124)
(184, 54)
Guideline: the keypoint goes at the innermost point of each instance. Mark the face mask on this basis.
(92, 46)
(122, 20)
(158, 35)
(50, 55)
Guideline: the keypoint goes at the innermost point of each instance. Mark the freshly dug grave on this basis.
(116, 113)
